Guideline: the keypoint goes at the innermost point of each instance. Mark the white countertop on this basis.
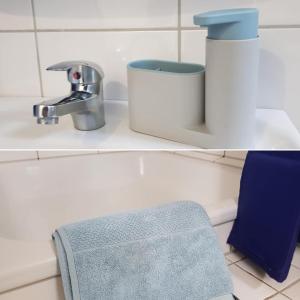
(18, 129)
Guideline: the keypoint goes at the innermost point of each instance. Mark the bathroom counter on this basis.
(18, 129)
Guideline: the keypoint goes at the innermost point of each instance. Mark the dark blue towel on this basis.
(267, 226)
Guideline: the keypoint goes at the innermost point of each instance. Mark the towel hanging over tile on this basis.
(267, 226)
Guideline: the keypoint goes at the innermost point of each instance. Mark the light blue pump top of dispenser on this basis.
(230, 24)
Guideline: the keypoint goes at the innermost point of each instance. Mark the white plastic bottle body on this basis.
(231, 90)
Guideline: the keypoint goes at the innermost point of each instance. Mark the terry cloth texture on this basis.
(168, 252)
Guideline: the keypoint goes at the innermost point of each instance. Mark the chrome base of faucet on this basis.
(84, 103)
(87, 110)
(89, 120)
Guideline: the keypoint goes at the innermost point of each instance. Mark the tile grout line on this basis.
(295, 266)
(59, 156)
(234, 262)
(179, 31)
(278, 291)
(271, 297)
(37, 49)
(286, 296)
(289, 286)
(194, 28)
(129, 29)
(292, 26)
(252, 275)
(16, 30)
(231, 262)
(176, 28)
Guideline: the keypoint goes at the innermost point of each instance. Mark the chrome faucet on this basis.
(85, 102)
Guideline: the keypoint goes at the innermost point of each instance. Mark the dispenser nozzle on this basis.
(230, 24)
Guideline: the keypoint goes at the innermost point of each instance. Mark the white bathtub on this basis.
(38, 196)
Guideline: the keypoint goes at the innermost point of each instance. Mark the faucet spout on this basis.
(47, 120)
(86, 109)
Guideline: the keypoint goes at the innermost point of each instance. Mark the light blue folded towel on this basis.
(168, 252)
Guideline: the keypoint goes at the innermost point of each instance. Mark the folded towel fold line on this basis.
(64, 239)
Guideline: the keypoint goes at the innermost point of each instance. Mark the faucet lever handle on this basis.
(80, 72)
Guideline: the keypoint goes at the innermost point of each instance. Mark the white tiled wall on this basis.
(272, 12)
(18, 64)
(280, 61)
(111, 50)
(78, 14)
(37, 33)
(16, 14)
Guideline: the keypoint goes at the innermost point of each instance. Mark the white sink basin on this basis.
(51, 192)
(18, 129)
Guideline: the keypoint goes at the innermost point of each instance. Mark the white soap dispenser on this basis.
(232, 60)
